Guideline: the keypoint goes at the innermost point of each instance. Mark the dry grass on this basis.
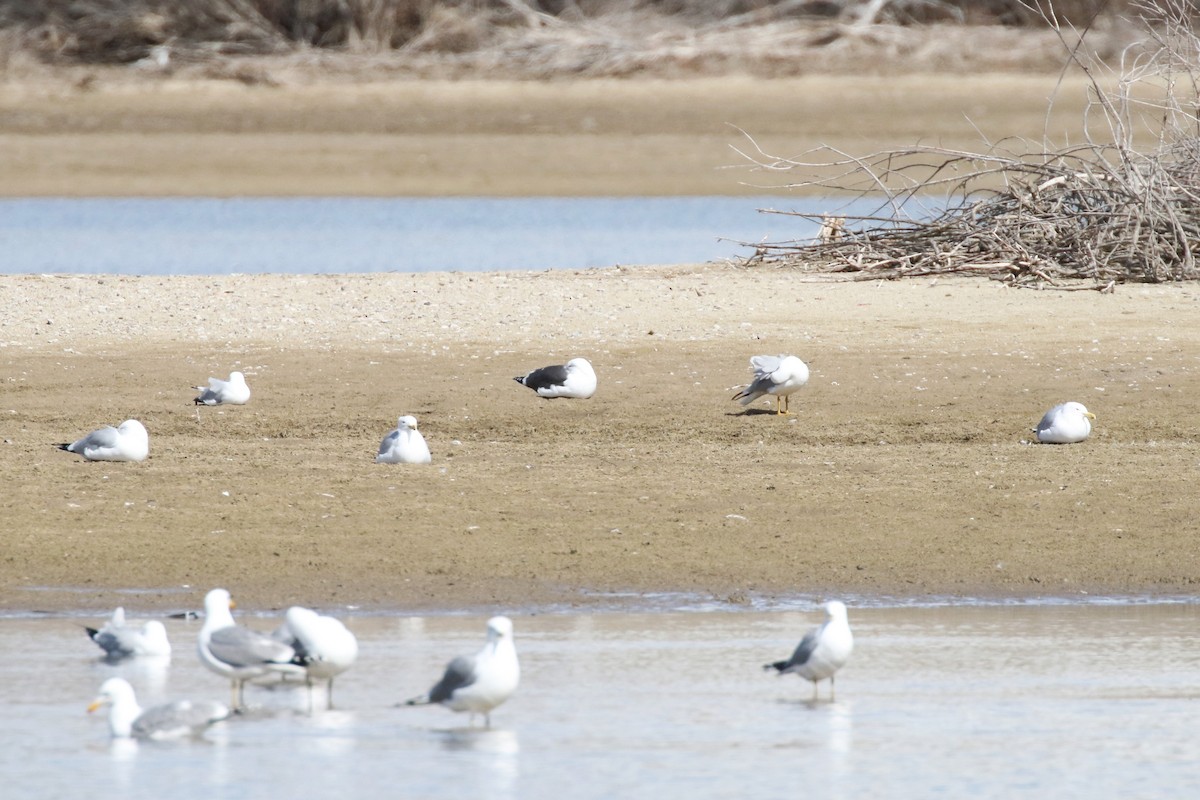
(528, 38)
(1123, 205)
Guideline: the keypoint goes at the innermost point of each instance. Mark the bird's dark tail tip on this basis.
(520, 379)
(63, 445)
(423, 700)
(778, 666)
(91, 632)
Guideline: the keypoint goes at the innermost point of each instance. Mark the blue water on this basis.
(138, 236)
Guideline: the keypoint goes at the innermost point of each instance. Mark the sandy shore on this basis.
(904, 472)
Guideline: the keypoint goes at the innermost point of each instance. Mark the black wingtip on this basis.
(778, 666)
(63, 446)
(91, 632)
(520, 379)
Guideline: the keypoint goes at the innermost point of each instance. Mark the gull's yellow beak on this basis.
(95, 704)
(232, 605)
(1089, 415)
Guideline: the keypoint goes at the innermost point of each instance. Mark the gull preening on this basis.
(120, 640)
(1065, 424)
(479, 683)
(127, 719)
(822, 651)
(574, 379)
(239, 653)
(323, 645)
(129, 441)
(233, 392)
(774, 375)
(404, 445)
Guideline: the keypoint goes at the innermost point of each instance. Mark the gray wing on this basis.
(389, 442)
(763, 366)
(114, 643)
(1048, 419)
(104, 437)
(178, 718)
(242, 647)
(805, 649)
(459, 673)
(545, 377)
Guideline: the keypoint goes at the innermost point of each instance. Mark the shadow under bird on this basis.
(323, 646)
(575, 379)
(404, 445)
(1066, 423)
(129, 441)
(127, 719)
(477, 684)
(234, 392)
(823, 651)
(120, 640)
(777, 376)
(239, 653)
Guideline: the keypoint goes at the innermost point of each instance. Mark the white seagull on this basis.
(126, 719)
(323, 645)
(774, 375)
(404, 445)
(574, 379)
(119, 640)
(479, 683)
(129, 441)
(239, 653)
(1065, 424)
(822, 651)
(232, 392)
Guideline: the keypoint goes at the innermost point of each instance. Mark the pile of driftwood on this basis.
(1124, 206)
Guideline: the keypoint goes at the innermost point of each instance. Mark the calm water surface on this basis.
(176, 236)
(977, 701)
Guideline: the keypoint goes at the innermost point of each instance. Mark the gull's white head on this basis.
(581, 364)
(499, 628)
(835, 609)
(408, 421)
(237, 377)
(1077, 408)
(131, 427)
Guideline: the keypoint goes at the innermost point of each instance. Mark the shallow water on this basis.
(176, 236)
(968, 701)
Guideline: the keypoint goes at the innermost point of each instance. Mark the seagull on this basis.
(232, 392)
(120, 641)
(126, 442)
(323, 645)
(822, 651)
(775, 375)
(239, 653)
(126, 719)
(575, 379)
(1065, 424)
(479, 683)
(404, 445)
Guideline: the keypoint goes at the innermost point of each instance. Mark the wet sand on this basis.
(903, 472)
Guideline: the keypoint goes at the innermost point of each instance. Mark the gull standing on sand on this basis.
(119, 640)
(129, 441)
(1065, 424)
(239, 653)
(233, 392)
(126, 719)
(822, 651)
(479, 683)
(323, 645)
(574, 379)
(404, 445)
(774, 375)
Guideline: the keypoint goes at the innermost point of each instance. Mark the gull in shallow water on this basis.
(129, 441)
(232, 392)
(822, 651)
(479, 683)
(119, 640)
(126, 719)
(239, 653)
(1065, 424)
(774, 375)
(323, 645)
(574, 379)
(404, 445)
